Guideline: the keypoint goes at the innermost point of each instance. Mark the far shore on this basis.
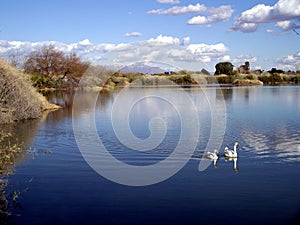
(120, 80)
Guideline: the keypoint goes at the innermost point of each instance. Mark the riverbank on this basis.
(193, 78)
(19, 100)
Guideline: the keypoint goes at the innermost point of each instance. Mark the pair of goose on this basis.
(227, 153)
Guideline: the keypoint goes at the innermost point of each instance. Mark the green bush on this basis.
(42, 82)
(182, 79)
(274, 78)
(251, 77)
(264, 78)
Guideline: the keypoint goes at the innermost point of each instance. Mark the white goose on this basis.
(213, 156)
(231, 153)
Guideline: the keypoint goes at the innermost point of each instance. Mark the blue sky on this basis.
(195, 34)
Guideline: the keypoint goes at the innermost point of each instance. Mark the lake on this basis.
(82, 168)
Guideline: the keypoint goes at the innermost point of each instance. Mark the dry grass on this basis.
(18, 99)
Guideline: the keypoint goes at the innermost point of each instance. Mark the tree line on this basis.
(50, 67)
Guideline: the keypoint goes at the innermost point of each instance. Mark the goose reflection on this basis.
(229, 159)
(211, 156)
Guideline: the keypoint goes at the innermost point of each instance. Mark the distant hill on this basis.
(142, 68)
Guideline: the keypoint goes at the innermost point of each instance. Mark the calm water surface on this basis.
(61, 188)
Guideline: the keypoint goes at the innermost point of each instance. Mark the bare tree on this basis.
(49, 62)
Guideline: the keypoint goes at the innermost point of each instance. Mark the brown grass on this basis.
(19, 100)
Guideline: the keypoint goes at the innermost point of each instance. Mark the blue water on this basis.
(61, 188)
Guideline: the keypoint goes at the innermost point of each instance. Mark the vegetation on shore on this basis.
(49, 68)
(19, 100)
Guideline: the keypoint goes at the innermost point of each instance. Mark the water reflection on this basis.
(267, 118)
(270, 128)
(21, 135)
(65, 100)
(15, 140)
(284, 148)
(234, 161)
(224, 93)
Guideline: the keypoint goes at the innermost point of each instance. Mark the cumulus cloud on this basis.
(290, 62)
(208, 53)
(212, 15)
(133, 34)
(169, 1)
(163, 49)
(165, 40)
(220, 14)
(178, 10)
(85, 49)
(285, 13)
(287, 25)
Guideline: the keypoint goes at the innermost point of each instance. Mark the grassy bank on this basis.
(180, 78)
(19, 100)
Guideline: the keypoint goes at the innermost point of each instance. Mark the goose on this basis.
(231, 153)
(213, 156)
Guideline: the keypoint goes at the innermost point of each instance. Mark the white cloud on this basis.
(85, 42)
(197, 20)
(215, 15)
(178, 10)
(169, 1)
(208, 53)
(133, 34)
(163, 49)
(226, 58)
(85, 49)
(220, 14)
(290, 62)
(287, 25)
(285, 13)
(165, 40)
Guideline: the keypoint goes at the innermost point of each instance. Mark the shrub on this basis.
(224, 68)
(224, 79)
(265, 78)
(18, 98)
(42, 82)
(182, 79)
(251, 77)
(274, 78)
